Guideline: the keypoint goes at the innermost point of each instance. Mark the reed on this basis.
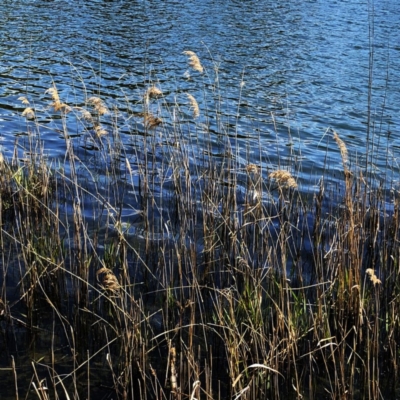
(224, 280)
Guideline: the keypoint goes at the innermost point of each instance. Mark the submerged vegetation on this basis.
(166, 266)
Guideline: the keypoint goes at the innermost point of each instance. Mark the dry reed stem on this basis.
(2, 307)
(173, 377)
(194, 105)
(194, 61)
(283, 178)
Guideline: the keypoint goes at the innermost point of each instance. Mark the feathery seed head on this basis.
(342, 147)
(109, 280)
(372, 277)
(153, 92)
(151, 122)
(54, 93)
(194, 61)
(283, 178)
(194, 105)
(98, 105)
(23, 100)
(28, 113)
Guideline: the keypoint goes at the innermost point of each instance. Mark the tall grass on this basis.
(169, 267)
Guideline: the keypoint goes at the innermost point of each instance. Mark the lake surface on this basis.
(287, 70)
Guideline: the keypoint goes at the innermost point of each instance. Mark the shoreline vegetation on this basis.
(159, 268)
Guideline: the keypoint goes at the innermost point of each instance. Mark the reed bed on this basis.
(166, 267)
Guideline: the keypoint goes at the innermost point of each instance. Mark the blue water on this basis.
(280, 73)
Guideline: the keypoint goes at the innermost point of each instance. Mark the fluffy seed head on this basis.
(153, 92)
(151, 122)
(194, 61)
(194, 105)
(98, 105)
(283, 178)
(342, 148)
(54, 93)
(108, 279)
(28, 113)
(23, 100)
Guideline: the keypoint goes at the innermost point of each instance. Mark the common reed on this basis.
(283, 178)
(194, 61)
(194, 105)
(153, 270)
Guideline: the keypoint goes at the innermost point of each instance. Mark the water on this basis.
(300, 66)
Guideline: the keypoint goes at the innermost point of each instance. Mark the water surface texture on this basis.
(287, 70)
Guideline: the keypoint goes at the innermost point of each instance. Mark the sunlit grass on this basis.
(163, 269)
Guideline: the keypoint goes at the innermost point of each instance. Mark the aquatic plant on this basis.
(173, 266)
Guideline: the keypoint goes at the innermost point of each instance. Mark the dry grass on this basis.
(159, 271)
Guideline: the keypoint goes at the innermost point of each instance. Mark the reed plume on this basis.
(100, 131)
(373, 278)
(194, 105)
(57, 104)
(283, 178)
(23, 100)
(343, 149)
(194, 61)
(108, 279)
(153, 92)
(28, 113)
(150, 121)
(98, 105)
(252, 169)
